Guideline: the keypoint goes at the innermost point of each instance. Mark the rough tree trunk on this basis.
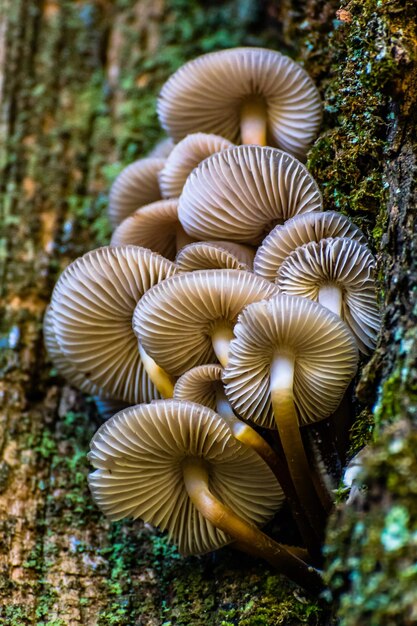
(78, 92)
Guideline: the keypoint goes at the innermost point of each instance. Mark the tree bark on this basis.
(78, 87)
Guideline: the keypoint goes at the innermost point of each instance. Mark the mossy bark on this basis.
(78, 102)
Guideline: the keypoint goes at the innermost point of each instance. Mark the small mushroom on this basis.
(137, 185)
(240, 194)
(289, 365)
(296, 232)
(186, 155)
(248, 95)
(338, 273)
(177, 466)
(188, 320)
(205, 255)
(155, 226)
(93, 304)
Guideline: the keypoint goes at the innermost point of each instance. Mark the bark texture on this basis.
(78, 86)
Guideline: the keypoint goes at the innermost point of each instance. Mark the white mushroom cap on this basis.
(343, 263)
(93, 304)
(64, 366)
(155, 226)
(207, 255)
(136, 186)
(325, 354)
(240, 194)
(139, 454)
(175, 320)
(186, 155)
(207, 95)
(200, 385)
(297, 231)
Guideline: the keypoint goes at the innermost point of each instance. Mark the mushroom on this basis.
(186, 155)
(248, 95)
(208, 255)
(162, 149)
(338, 273)
(136, 186)
(297, 231)
(289, 365)
(188, 320)
(240, 194)
(177, 466)
(155, 226)
(93, 304)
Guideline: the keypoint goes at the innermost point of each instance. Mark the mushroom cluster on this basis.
(225, 317)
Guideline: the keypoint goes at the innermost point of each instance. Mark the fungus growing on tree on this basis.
(289, 365)
(93, 304)
(188, 320)
(186, 155)
(137, 185)
(177, 466)
(248, 95)
(338, 273)
(155, 226)
(240, 194)
(297, 231)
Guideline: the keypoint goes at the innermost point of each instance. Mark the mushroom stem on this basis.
(221, 337)
(282, 374)
(249, 537)
(160, 378)
(330, 296)
(251, 438)
(253, 122)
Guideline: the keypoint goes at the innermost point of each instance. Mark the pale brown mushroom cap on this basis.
(297, 231)
(154, 226)
(200, 385)
(63, 365)
(138, 455)
(207, 95)
(205, 255)
(93, 304)
(136, 186)
(343, 263)
(186, 155)
(325, 351)
(175, 320)
(240, 194)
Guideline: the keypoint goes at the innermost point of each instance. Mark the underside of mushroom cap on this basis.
(325, 354)
(162, 149)
(240, 194)
(205, 255)
(64, 366)
(200, 385)
(186, 155)
(93, 304)
(154, 226)
(296, 232)
(175, 320)
(207, 94)
(343, 263)
(137, 185)
(139, 454)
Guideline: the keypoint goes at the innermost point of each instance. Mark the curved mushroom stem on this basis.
(282, 373)
(330, 296)
(249, 537)
(160, 378)
(221, 337)
(251, 438)
(253, 122)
